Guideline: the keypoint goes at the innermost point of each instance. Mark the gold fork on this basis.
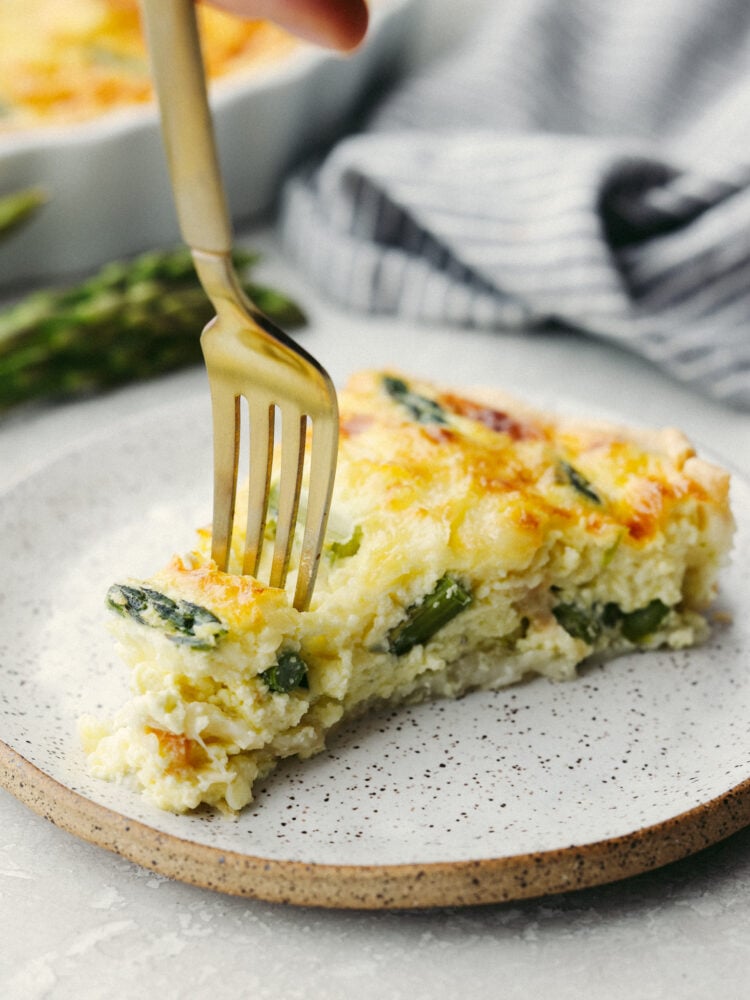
(246, 355)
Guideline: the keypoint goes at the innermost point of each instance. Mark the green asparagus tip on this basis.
(132, 320)
(18, 206)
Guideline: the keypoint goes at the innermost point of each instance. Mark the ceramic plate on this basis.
(535, 789)
(106, 180)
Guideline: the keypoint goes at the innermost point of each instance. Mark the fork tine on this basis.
(293, 426)
(242, 350)
(322, 465)
(261, 460)
(225, 407)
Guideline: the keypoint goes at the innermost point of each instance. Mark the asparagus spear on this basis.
(17, 207)
(638, 625)
(132, 320)
(287, 673)
(423, 620)
(421, 409)
(181, 621)
(581, 623)
(587, 623)
(579, 483)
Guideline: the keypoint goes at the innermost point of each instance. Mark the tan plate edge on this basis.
(377, 887)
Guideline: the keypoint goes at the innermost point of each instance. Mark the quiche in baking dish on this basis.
(473, 541)
(71, 61)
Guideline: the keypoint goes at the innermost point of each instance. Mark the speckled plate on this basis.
(536, 789)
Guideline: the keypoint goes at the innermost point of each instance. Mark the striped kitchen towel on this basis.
(582, 163)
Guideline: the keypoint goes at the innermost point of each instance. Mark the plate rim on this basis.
(403, 886)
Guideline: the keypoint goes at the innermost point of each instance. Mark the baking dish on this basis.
(106, 180)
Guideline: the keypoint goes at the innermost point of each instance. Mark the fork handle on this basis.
(179, 79)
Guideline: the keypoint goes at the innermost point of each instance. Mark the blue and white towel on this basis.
(575, 162)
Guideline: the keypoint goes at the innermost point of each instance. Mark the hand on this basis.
(338, 24)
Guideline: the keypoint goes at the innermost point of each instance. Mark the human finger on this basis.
(338, 24)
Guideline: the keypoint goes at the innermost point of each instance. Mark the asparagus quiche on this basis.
(63, 63)
(473, 542)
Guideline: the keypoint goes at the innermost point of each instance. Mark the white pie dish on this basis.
(106, 180)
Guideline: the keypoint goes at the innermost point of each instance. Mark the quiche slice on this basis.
(473, 541)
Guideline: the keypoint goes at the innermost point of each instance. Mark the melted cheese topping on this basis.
(64, 61)
(485, 471)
